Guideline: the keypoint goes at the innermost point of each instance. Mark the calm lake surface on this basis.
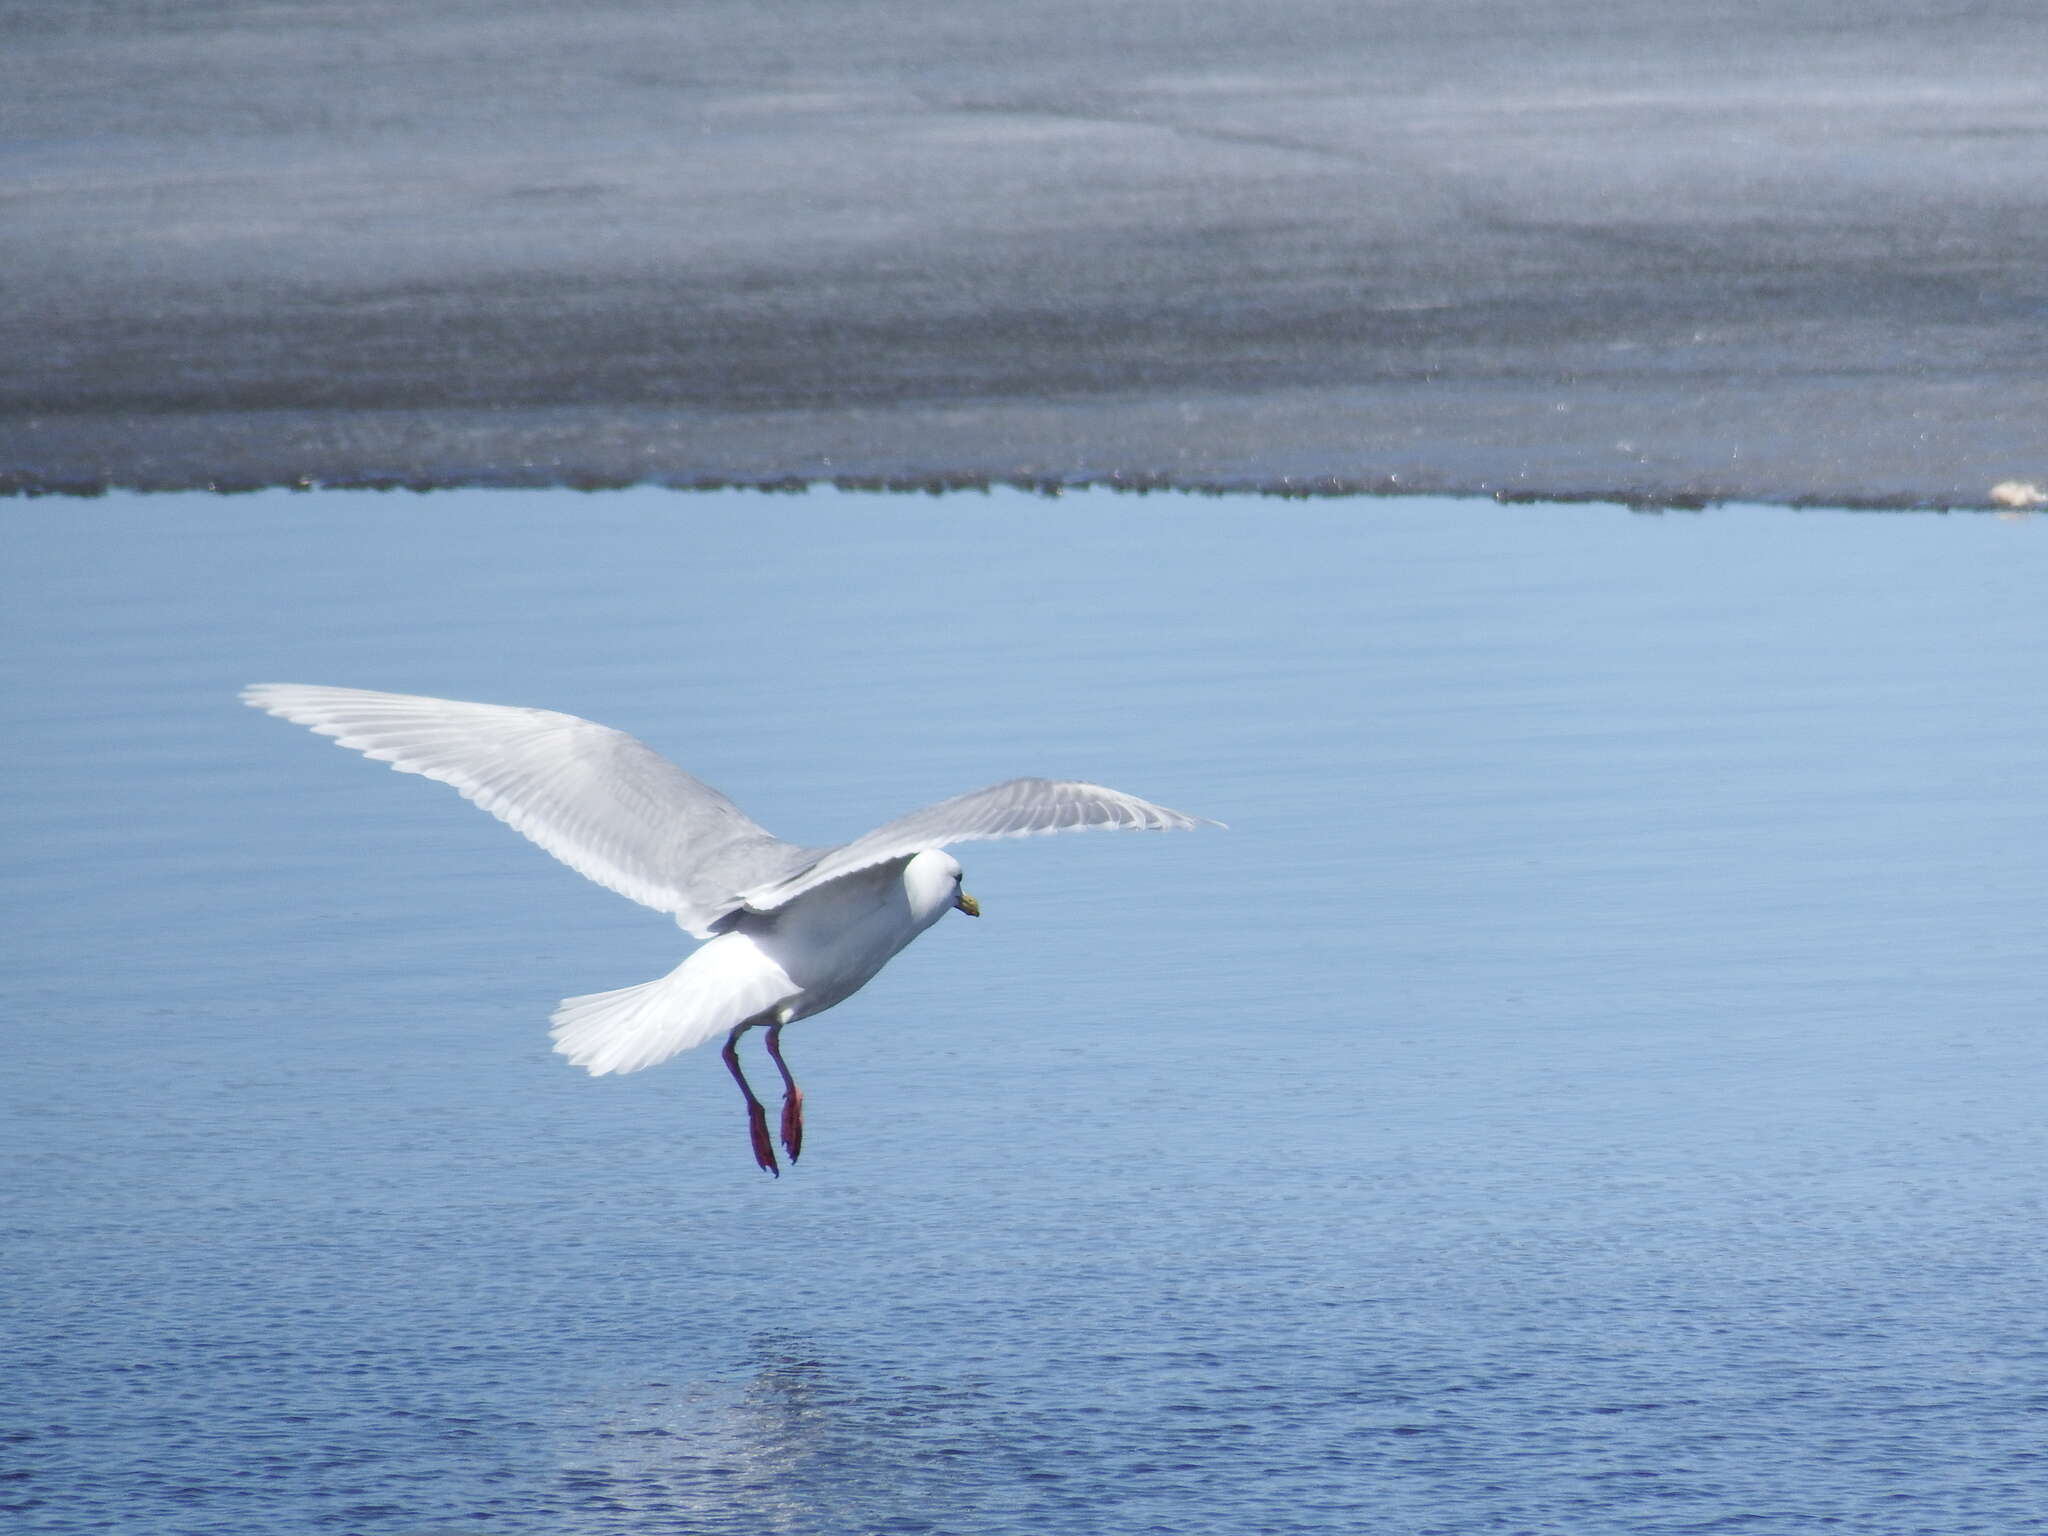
(1598, 1084)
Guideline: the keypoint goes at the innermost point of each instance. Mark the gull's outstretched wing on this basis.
(602, 803)
(1018, 808)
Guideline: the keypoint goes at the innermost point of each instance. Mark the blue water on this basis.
(1596, 1085)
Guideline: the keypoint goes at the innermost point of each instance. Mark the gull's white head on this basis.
(932, 881)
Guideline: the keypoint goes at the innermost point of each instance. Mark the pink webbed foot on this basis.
(793, 1123)
(792, 1098)
(757, 1128)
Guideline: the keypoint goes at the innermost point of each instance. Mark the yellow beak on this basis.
(967, 904)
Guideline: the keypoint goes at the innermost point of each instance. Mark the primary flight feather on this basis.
(790, 930)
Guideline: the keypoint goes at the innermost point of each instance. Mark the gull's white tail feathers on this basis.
(722, 983)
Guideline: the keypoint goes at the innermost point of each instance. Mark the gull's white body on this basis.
(789, 964)
(791, 930)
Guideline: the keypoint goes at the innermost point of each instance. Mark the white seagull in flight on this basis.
(791, 930)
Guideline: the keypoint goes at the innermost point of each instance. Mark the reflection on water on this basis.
(1594, 1086)
(799, 1445)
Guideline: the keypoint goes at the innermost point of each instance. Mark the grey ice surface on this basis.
(1548, 247)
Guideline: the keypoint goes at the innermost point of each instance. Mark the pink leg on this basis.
(757, 1117)
(792, 1097)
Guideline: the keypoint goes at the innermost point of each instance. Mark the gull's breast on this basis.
(832, 941)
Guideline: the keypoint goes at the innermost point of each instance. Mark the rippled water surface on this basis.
(1596, 1086)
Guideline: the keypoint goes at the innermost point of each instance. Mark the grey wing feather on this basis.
(598, 800)
(1017, 808)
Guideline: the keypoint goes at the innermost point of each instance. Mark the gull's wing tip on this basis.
(269, 696)
(1167, 818)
